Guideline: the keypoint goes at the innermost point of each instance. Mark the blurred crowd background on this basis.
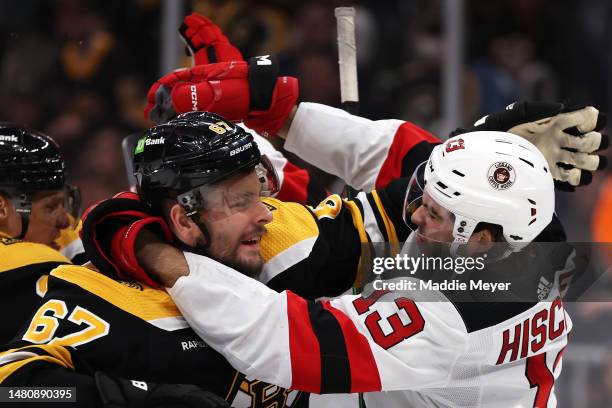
(80, 70)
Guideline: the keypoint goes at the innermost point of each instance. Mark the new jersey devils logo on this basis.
(453, 145)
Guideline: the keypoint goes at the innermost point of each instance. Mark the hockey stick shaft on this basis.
(128, 144)
(347, 58)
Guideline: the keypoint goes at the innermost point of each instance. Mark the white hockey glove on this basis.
(568, 138)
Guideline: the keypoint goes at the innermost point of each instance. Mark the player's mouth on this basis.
(422, 239)
(251, 242)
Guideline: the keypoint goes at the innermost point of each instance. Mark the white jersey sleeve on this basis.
(366, 154)
(351, 344)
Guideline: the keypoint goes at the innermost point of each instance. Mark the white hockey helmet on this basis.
(493, 177)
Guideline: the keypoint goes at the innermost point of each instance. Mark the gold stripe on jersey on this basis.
(70, 234)
(137, 299)
(363, 238)
(394, 246)
(231, 388)
(42, 284)
(15, 254)
(291, 224)
(385, 217)
(53, 354)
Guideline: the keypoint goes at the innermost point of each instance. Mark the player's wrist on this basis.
(160, 259)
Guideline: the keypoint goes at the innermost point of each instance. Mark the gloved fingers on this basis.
(162, 110)
(564, 186)
(585, 119)
(587, 143)
(206, 42)
(579, 160)
(198, 31)
(168, 81)
(572, 176)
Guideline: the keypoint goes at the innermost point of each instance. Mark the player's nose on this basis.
(62, 221)
(264, 215)
(418, 217)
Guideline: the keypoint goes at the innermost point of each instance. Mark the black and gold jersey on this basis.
(70, 243)
(317, 251)
(23, 269)
(87, 321)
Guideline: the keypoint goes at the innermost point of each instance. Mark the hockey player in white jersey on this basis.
(418, 353)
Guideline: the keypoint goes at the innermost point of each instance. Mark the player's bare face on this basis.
(48, 218)
(236, 222)
(434, 222)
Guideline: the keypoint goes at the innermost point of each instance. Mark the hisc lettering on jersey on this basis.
(545, 325)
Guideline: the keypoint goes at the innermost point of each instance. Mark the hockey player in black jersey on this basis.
(299, 250)
(33, 211)
(94, 322)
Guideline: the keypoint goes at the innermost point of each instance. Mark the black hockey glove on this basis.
(567, 137)
(122, 393)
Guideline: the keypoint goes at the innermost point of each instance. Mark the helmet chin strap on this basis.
(196, 219)
(23, 206)
(196, 249)
(25, 222)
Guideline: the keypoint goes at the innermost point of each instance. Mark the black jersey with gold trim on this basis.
(70, 243)
(127, 330)
(316, 252)
(23, 269)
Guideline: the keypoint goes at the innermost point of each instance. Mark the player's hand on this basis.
(110, 231)
(250, 92)
(122, 393)
(568, 138)
(205, 41)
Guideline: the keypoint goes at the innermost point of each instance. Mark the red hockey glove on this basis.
(222, 88)
(205, 41)
(251, 92)
(109, 233)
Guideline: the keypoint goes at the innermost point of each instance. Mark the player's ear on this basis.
(481, 241)
(182, 226)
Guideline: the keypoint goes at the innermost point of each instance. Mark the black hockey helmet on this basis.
(196, 149)
(30, 161)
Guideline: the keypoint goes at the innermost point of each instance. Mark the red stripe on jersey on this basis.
(304, 347)
(406, 137)
(364, 372)
(295, 183)
(558, 358)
